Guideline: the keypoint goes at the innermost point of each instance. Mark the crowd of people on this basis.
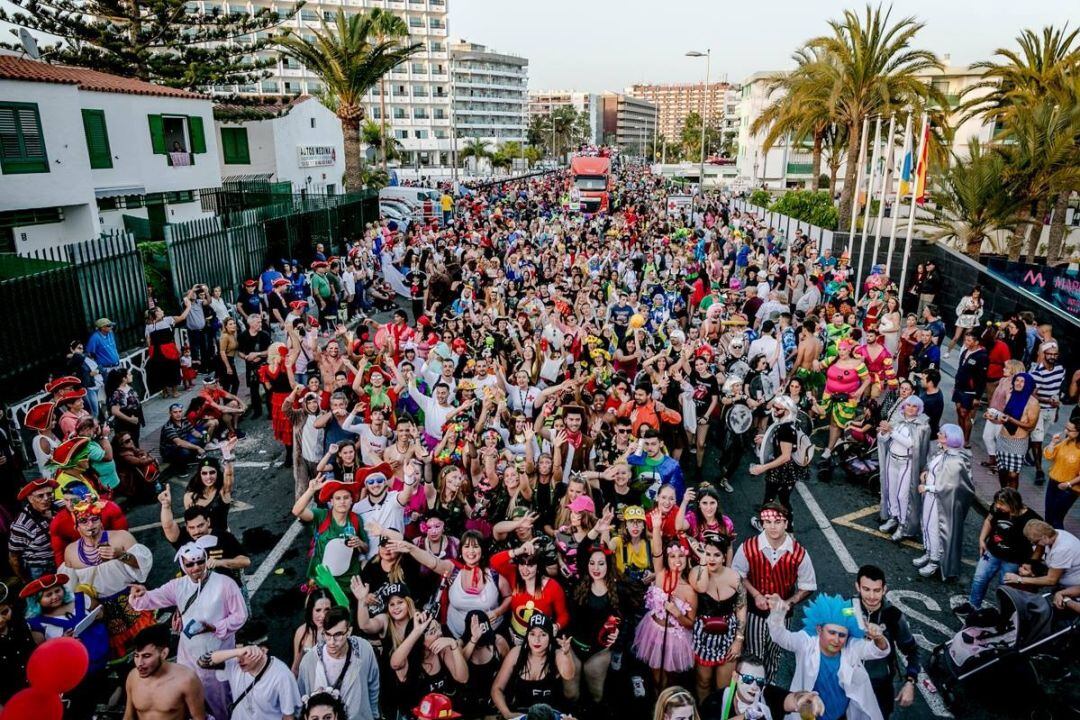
(514, 486)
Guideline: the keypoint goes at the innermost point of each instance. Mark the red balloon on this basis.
(33, 704)
(58, 665)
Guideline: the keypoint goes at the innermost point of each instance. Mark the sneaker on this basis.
(726, 486)
(756, 523)
(929, 569)
(898, 535)
(889, 525)
(964, 608)
(1040, 479)
(212, 445)
(921, 560)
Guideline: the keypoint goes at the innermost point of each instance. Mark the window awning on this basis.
(119, 190)
(256, 177)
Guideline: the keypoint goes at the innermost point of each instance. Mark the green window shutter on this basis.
(242, 146)
(97, 139)
(234, 146)
(227, 152)
(157, 134)
(22, 143)
(195, 132)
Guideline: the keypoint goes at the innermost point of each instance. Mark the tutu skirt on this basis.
(649, 646)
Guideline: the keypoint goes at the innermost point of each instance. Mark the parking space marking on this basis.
(849, 521)
(236, 506)
(827, 530)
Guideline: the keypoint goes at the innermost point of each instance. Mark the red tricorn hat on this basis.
(42, 584)
(281, 282)
(71, 394)
(298, 305)
(383, 469)
(40, 416)
(35, 485)
(66, 451)
(61, 382)
(327, 491)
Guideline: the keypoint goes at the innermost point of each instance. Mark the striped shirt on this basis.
(30, 539)
(1047, 382)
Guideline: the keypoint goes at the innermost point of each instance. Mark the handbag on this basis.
(715, 625)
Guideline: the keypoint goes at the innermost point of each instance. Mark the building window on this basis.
(177, 136)
(22, 144)
(97, 139)
(435, 23)
(439, 113)
(420, 134)
(418, 68)
(416, 22)
(420, 113)
(234, 146)
(399, 113)
(401, 134)
(312, 123)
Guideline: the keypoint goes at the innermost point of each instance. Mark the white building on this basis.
(490, 93)
(81, 149)
(417, 92)
(543, 102)
(629, 122)
(299, 142)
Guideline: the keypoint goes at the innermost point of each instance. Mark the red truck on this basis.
(591, 178)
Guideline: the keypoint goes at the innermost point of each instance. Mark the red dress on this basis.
(280, 390)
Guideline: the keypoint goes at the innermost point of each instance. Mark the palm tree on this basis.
(386, 26)
(475, 148)
(348, 62)
(877, 71)
(533, 155)
(973, 200)
(372, 135)
(1042, 69)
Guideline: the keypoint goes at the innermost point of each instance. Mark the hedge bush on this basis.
(815, 208)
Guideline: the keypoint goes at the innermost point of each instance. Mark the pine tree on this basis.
(168, 42)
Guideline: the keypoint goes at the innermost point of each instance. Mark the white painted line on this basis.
(237, 506)
(933, 700)
(827, 530)
(900, 599)
(267, 565)
(250, 464)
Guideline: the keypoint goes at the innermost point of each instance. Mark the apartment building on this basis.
(629, 122)
(674, 101)
(490, 93)
(417, 97)
(82, 152)
(543, 102)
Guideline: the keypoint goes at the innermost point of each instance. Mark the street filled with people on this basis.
(522, 460)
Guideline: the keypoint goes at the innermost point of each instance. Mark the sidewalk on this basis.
(986, 482)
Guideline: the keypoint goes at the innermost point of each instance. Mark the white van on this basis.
(424, 201)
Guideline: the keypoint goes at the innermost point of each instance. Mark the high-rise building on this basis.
(490, 92)
(629, 122)
(675, 101)
(417, 99)
(543, 102)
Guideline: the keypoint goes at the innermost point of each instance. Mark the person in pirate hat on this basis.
(29, 547)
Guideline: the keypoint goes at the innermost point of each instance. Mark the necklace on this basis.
(89, 557)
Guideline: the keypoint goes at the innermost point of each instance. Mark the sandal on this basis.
(992, 462)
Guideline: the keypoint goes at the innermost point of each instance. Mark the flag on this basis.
(920, 169)
(905, 168)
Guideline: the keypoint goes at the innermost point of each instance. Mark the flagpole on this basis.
(858, 182)
(915, 170)
(886, 178)
(899, 200)
(869, 202)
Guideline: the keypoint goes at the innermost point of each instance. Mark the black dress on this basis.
(163, 365)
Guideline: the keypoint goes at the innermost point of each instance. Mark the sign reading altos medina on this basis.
(316, 155)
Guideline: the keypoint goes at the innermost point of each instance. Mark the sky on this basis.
(596, 45)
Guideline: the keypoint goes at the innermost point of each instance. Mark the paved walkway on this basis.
(986, 482)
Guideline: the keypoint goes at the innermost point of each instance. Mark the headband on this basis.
(770, 515)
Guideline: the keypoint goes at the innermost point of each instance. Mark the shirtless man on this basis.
(158, 689)
(808, 351)
(405, 448)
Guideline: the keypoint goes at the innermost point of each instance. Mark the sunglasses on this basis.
(530, 561)
(753, 680)
(375, 480)
(194, 563)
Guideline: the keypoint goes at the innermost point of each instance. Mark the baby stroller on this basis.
(993, 657)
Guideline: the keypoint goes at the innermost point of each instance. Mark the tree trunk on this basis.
(1057, 228)
(354, 164)
(815, 165)
(1035, 231)
(850, 172)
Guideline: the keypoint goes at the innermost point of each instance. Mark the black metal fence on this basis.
(55, 298)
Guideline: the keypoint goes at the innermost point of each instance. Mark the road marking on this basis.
(236, 506)
(267, 565)
(250, 464)
(900, 599)
(827, 530)
(849, 521)
(933, 700)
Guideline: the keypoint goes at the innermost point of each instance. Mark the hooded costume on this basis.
(209, 611)
(949, 491)
(902, 452)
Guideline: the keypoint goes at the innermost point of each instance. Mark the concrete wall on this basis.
(79, 224)
(260, 134)
(294, 130)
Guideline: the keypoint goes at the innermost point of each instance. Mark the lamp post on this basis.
(704, 112)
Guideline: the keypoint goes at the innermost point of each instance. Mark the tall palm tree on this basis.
(349, 63)
(386, 27)
(475, 148)
(877, 72)
(1042, 66)
(804, 109)
(973, 200)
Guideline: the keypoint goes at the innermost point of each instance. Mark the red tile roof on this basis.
(16, 68)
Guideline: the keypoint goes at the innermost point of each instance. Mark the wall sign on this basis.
(316, 155)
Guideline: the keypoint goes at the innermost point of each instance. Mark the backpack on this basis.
(803, 453)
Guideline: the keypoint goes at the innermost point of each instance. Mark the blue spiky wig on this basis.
(831, 610)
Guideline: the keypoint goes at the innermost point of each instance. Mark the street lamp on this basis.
(704, 110)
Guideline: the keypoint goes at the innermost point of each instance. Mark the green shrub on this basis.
(155, 259)
(815, 208)
(760, 197)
